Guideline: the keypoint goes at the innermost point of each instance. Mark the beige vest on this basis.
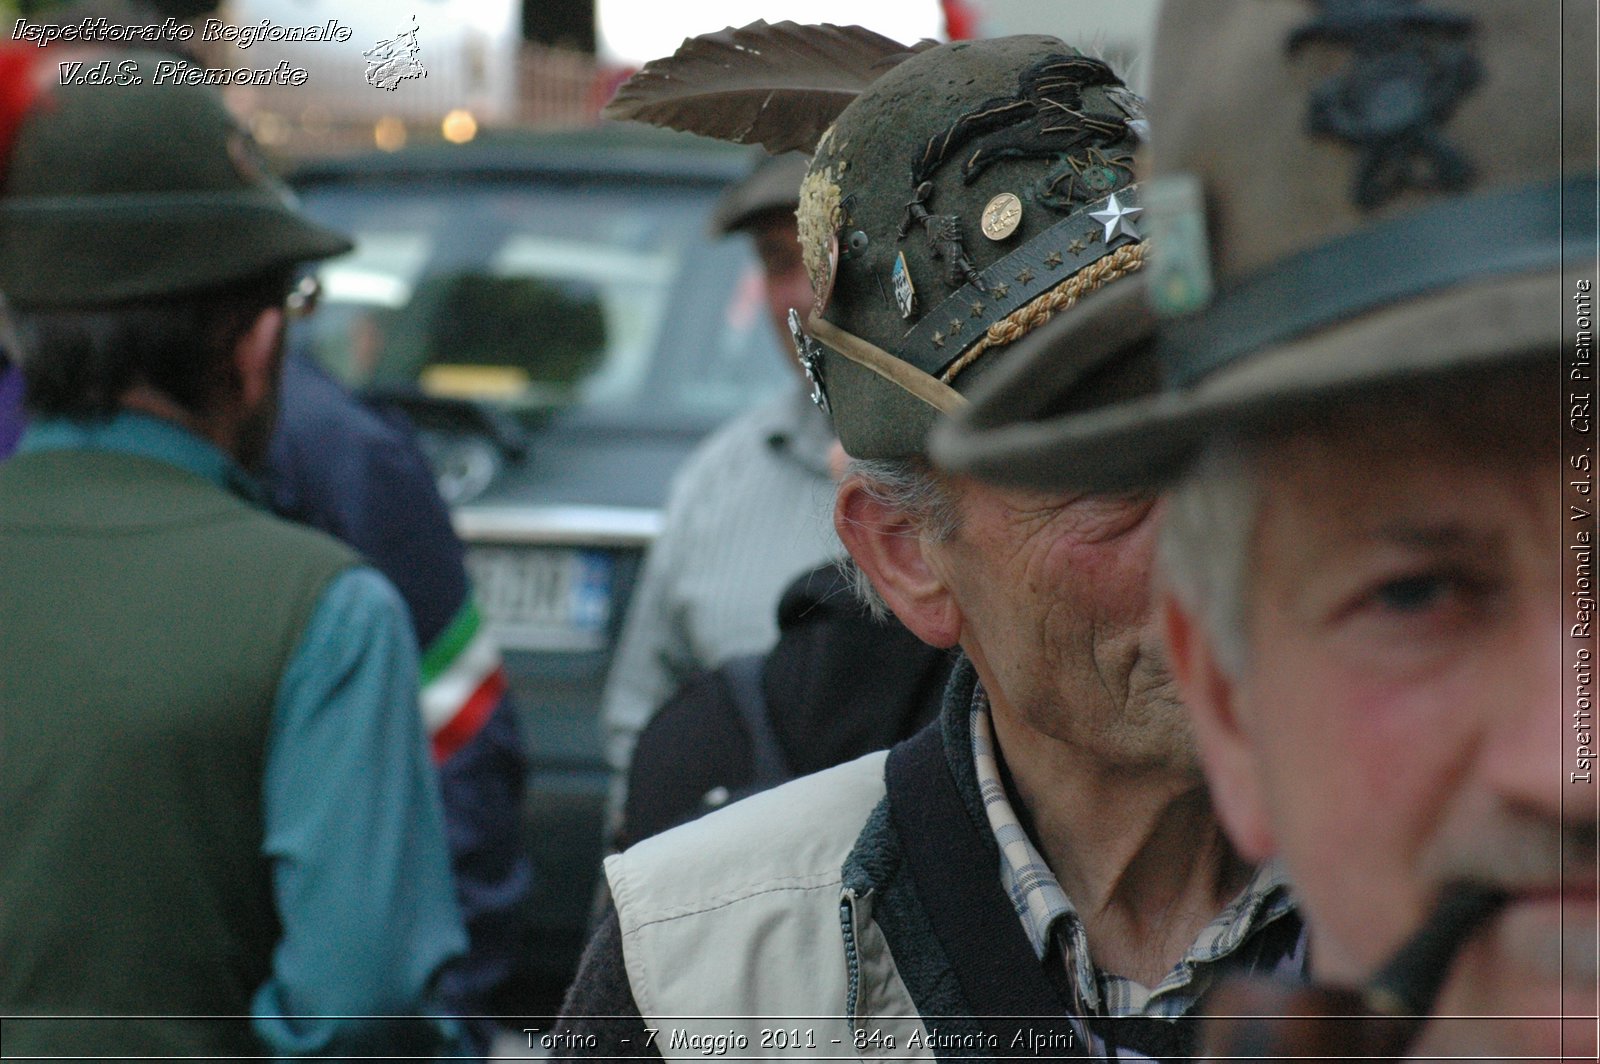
(734, 930)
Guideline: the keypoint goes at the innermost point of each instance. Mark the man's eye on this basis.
(1413, 593)
(1444, 592)
(1410, 616)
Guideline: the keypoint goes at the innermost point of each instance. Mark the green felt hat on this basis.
(969, 193)
(1342, 197)
(139, 190)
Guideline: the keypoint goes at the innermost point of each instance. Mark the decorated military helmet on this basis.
(966, 196)
(958, 196)
(137, 189)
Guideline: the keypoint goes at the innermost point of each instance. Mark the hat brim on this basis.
(772, 189)
(52, 259)
(1100, 354)
(1147, 442)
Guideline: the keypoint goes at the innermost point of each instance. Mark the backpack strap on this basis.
(768, 764)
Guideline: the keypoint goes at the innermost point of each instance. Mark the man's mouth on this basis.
(1548, 932)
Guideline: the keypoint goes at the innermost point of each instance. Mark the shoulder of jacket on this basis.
(731, 444)
(791, 838)
(297, 541)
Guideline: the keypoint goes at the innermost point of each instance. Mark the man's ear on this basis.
(1226, 750)
(255, 357)
(889, 548)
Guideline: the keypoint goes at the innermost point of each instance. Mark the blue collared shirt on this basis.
(354, 833)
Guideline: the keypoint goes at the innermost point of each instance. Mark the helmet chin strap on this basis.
(929, 389)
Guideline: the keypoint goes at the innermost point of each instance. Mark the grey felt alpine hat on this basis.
(1341, 197)
(772, 185)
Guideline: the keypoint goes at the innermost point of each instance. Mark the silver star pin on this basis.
(1117, 219)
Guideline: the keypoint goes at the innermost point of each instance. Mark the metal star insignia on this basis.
(1117, 219)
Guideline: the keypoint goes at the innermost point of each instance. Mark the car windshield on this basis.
(604, 298)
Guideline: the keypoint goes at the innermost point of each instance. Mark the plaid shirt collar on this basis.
(1047, 914)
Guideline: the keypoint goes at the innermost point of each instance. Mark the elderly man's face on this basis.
(1053, 594)
(1398, 721)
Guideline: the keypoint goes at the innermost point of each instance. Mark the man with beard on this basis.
(1039, 870)
(1364, 552)
(222, 835)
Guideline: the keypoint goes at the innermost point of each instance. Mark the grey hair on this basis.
(909, 486)
(1206, 539)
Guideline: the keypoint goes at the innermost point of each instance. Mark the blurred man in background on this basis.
(341, 466)
(223, 832)
(11, 418)
(356, 473)
(746, 514)
(842, 680)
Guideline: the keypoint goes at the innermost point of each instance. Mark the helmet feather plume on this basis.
(779, 85)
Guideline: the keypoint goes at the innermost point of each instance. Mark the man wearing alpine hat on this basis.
(1375, 229)
(222, 837)
(1038, 871)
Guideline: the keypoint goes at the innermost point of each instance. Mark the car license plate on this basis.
(543, 598)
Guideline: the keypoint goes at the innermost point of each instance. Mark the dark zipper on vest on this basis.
(852, 957)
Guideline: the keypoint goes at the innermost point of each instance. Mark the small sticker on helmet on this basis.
(905, 294)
